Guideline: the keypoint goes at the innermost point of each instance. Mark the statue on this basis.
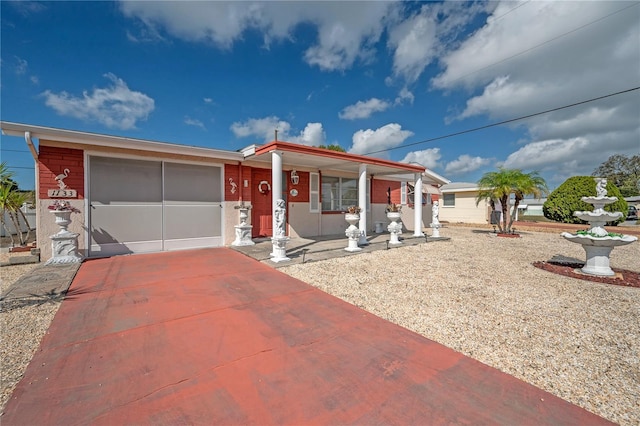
(601, 187)
(435, 209)
(280, 217)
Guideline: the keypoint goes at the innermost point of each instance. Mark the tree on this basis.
(333, 147)
(623, 172)
(11, 201)
(567, 199)
(504, 183)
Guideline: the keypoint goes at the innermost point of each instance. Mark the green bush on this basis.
(566, 199)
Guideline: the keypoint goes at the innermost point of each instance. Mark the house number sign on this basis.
(64, 191)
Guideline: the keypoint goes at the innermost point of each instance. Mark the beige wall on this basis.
(465, 210)
(46, 227)
(303, 223)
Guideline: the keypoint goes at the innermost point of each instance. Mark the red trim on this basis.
(328, 153)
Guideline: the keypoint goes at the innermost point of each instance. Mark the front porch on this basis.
(312, 249)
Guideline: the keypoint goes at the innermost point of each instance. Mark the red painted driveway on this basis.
(214, 337)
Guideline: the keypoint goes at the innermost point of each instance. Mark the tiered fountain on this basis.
(596, 241)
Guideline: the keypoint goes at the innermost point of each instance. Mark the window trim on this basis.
(444, 196)
(314, 192)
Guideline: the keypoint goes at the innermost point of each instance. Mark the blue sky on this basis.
(368, 76)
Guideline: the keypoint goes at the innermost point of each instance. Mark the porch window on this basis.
(339, 193)
(426, 199)
(314, 193)
(449, 200)
(403, 193)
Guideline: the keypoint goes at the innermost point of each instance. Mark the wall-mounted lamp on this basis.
(294, 177)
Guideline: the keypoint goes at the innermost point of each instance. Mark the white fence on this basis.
(31, 218)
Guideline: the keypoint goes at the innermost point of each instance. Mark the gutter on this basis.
(32, 147)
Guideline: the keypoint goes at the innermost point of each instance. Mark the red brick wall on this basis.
(302, 187)
(53, 161)
(379, 191)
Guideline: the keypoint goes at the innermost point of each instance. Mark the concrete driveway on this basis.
(215, 337)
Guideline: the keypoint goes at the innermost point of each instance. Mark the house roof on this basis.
(327, 160)
(459, 187)
(85, 138)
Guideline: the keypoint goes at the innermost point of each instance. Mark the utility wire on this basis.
(14, 150)
(544, 42)
(475, 129)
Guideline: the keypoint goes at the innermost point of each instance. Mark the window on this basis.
(426, 199)
(403, 193)
(449, 200)
(339, 193)
(314, 192)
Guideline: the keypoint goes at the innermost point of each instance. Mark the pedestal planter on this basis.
(64, 244)
(243, 230)
(394, 228)
(352, 232)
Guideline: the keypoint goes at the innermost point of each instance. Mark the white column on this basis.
(362, 203)
(276, 185)
(417, 206)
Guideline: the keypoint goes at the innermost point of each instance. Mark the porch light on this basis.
(294, 177)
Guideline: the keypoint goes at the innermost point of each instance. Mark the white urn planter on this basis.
(64, 244)
(352, 232)
(395, 227)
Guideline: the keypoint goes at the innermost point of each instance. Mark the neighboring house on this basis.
(137, 196)
(458, 204)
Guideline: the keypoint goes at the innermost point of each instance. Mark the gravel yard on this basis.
(480, 295)
(477, 294)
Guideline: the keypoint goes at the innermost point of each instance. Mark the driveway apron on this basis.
(214, 337)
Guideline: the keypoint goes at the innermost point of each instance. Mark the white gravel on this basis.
(480, 295)
(21, 330)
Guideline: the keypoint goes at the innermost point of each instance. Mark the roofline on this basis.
(435, 176)
(76, 137)
(462, 189)
(337, 155)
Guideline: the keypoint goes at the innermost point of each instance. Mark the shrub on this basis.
(566, 199)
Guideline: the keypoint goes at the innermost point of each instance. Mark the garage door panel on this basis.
(122, 224)
(121, 181)
(191, 183)
(192, 221)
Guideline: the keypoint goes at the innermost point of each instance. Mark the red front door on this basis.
(261, 218)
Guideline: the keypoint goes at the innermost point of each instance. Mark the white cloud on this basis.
(404, 95)
(34, 79)
(419, 39)
(347, 31)
(363, 109)
(264, 128)
(21, 66)
(427, 157)
(466, 163)
(312, 135)
(545, 55)
(207, 100)
(194, 122)
(115, 106)
(388, 136)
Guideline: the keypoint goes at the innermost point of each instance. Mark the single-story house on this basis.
(458, 204)
(136, 196)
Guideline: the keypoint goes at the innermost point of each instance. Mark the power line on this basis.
(18, 167)
(475, 129)
(543, 43)
(15, 150)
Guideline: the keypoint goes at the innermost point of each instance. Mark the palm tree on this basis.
(502, 184)
(11, 201)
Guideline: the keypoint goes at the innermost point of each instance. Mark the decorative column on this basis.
(417, 205)
(64, 244)
(279, 239)
(362, 203)
(277, 208)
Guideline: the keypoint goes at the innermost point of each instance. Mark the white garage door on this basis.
(146, 206)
